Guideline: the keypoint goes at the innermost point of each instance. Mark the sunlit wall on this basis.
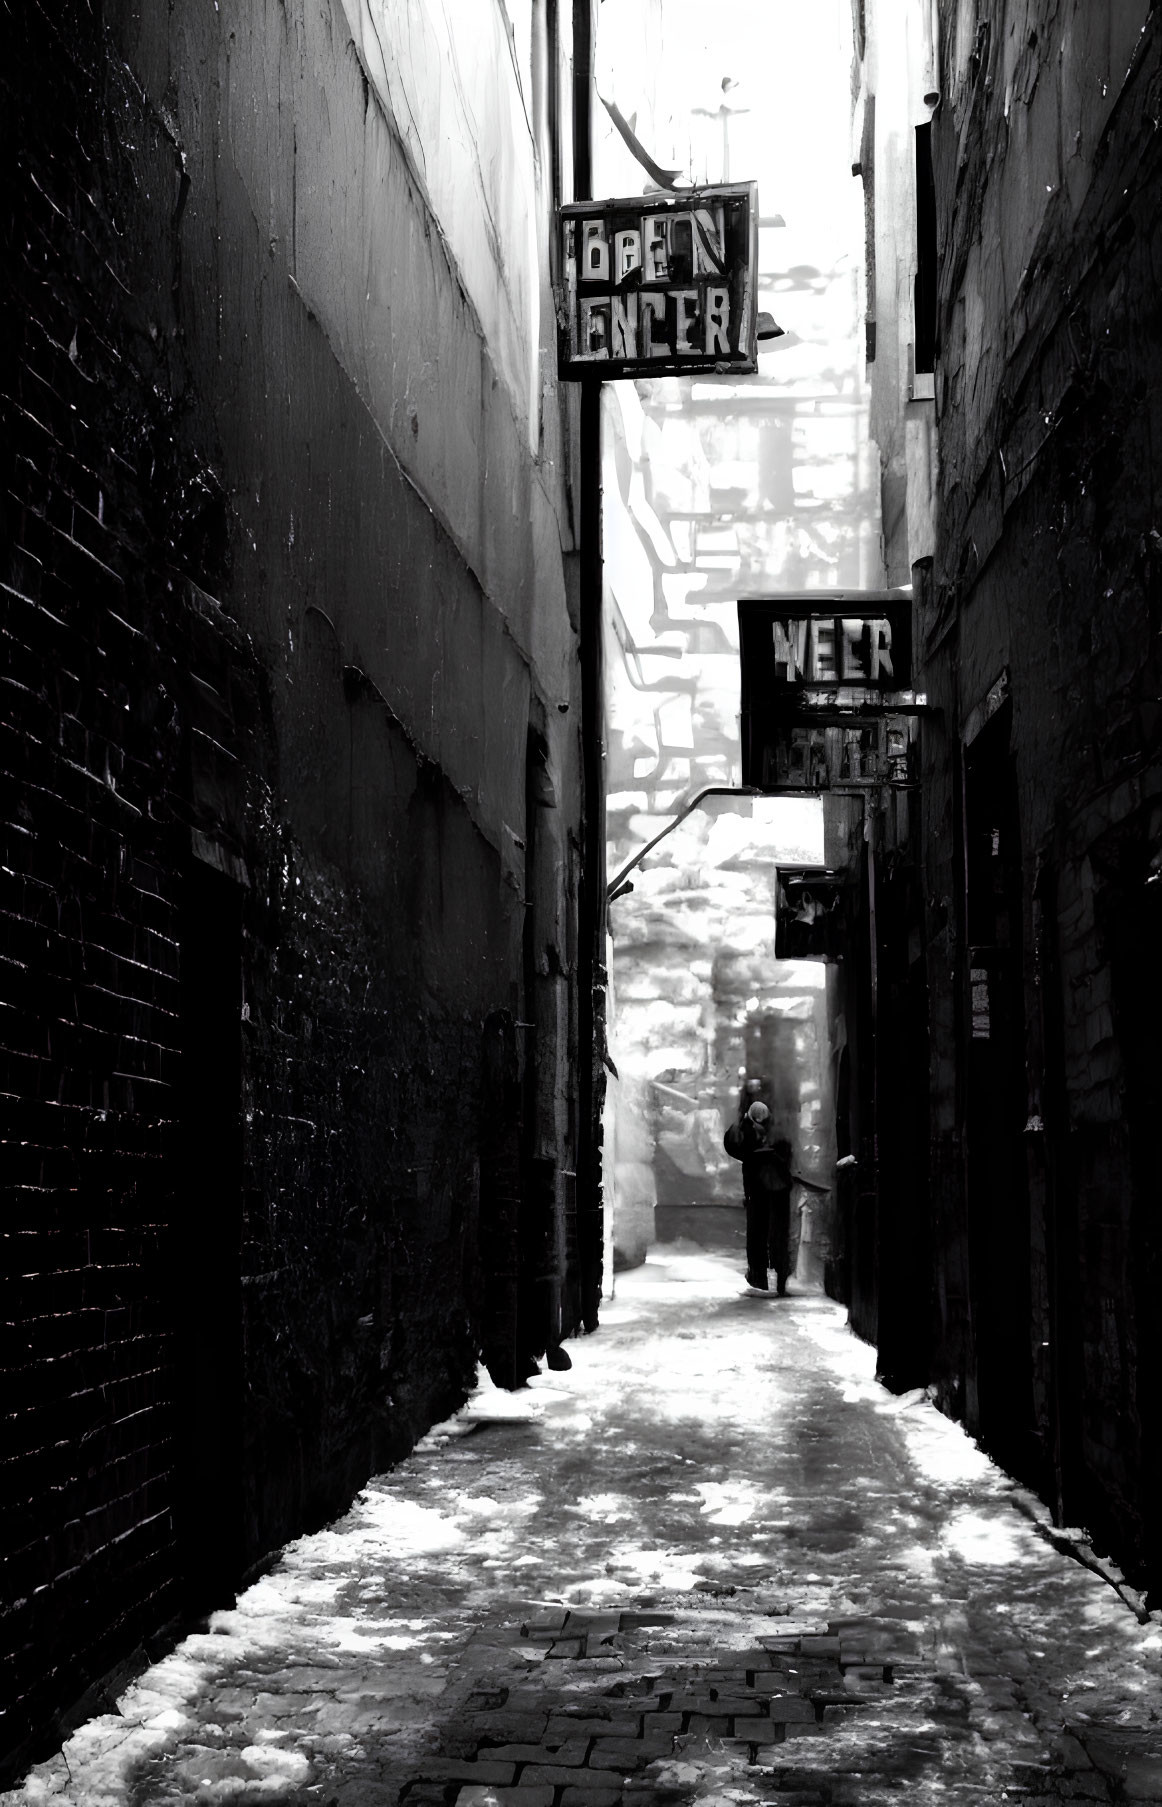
(715, 489)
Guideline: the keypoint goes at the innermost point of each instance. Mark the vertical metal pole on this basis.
(583, 42)
(591, 903)
(873, 1025)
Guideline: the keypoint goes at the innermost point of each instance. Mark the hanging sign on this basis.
(809, 918)
(827, 702)
(663, 285)
(798, 755)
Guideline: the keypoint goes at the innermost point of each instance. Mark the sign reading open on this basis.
(659, 286)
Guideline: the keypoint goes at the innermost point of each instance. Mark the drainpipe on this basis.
(591, 899)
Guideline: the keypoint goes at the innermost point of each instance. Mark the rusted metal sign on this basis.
(833, 756)
(662, 285)
(827, 702)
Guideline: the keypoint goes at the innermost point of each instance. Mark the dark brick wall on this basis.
(256, 940)
(90, 911)
(360, 1261)
(1047, 574)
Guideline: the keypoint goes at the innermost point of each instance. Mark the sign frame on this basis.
(672, 275)
(826, 697)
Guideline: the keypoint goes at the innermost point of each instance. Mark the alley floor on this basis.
(715, 1562)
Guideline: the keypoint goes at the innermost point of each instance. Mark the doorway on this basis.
(208, 1242)
(996, 1102)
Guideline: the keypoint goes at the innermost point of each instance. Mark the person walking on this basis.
(746, 1141)
(767, 1178)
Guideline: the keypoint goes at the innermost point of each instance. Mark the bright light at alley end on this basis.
(663, 285)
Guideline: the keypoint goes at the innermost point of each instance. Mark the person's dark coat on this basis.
(766, 1189)
(764, 1168)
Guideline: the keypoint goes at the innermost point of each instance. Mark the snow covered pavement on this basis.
(714, 1562)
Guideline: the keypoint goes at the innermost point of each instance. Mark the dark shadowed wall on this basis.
(1043, 790)
(292, 795)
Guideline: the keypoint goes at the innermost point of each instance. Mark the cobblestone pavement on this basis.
(714, 1563)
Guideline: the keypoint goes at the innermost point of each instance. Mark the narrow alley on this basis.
(580, 718)
(716, 1561)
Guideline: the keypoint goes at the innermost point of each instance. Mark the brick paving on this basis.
(644, 1710)
(715, 1563)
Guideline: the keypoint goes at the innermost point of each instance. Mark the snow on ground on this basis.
(726, 1456)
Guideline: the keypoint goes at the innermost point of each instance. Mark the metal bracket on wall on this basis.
(617, 886)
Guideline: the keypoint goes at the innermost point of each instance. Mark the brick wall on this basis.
(1047, 576)
(89, 958)
(263, 890)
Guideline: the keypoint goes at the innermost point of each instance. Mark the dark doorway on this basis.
(208, 1242)
(1064, 1470)
(500, 1184)
(996, 1103)
(904, 1252)
(927, 277)
(538, 1310)
(861, 1182)
(1130, 917)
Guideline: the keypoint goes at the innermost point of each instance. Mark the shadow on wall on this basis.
(668, 1166)
(631, 1190)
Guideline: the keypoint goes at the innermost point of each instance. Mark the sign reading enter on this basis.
(659, 286)
(840, 649)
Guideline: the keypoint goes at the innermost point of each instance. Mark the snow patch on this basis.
(975, 1537)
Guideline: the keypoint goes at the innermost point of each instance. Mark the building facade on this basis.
(293, 894)
(1030, 895)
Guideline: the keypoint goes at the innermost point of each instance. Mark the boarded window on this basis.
(925, 288)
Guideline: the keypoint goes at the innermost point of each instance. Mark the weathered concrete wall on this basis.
(896, 90)
(1046, 591)
(292, 841)
(454, 87)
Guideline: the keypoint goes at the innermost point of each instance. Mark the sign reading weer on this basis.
(826, 703)
(661, 285)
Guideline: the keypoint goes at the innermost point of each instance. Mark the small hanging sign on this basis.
(662, 285)
(809, 918)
